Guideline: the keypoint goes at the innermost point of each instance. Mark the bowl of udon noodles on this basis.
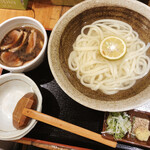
(80, 69)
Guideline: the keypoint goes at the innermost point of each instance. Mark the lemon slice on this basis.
(112, 48)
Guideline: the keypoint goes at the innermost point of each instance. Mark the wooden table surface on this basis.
(42, 11)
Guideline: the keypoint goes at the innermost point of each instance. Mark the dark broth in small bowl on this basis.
(20, 45)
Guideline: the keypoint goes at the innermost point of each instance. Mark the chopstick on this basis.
(47, 145)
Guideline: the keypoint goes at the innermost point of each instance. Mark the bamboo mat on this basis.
(43, 11)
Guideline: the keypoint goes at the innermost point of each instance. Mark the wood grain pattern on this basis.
(48, 145)
(6, 14)
(9, 13)
(65, 9)
(44, 12)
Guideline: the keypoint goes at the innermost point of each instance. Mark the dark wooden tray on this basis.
(58, 104)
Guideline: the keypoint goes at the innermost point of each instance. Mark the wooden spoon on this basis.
(24, 110)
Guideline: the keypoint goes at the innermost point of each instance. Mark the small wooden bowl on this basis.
(66, 31)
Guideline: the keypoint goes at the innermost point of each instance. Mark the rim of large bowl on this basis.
(71, 91)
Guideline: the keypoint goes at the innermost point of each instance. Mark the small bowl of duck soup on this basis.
(23, 43)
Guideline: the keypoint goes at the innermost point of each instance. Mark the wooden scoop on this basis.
(24, 110)
(29, 101)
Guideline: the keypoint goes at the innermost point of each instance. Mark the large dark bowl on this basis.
(68, 28)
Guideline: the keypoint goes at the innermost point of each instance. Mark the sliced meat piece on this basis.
(41, 44)
(12, 39)
(31, 42)
(10, 59)
(22, 42)
(1, 70)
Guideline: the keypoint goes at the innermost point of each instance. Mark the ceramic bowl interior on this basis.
(20, 21)
(66, 32)
(13, 87)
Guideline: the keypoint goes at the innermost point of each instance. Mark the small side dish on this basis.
(130, 127)
(20, 46)
(23, 43)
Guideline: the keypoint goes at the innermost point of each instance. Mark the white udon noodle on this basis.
(98, 73)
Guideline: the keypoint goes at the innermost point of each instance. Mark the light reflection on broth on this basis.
(20, 46)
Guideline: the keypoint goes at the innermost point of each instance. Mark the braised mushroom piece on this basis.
(20, 45)
(31, 41)
(14, 49)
